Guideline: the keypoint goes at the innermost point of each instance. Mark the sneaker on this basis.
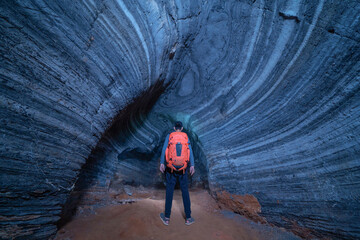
(189, 221)
(164, 219)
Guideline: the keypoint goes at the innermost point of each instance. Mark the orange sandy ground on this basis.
(140, 220)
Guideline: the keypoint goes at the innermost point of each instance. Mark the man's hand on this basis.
(192, 170)
(162, 168)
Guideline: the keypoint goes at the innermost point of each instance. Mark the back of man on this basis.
(177, 155)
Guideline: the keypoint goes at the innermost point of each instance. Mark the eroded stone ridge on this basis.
(267, 90)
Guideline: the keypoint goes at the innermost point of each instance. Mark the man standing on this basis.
(176, 154)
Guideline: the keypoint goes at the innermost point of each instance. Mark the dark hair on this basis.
(178, 125)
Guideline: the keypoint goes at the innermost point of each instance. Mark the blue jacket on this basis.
(162, 158)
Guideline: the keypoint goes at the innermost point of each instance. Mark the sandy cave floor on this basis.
(140, 220)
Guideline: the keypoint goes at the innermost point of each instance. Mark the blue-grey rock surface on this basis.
(268, 91)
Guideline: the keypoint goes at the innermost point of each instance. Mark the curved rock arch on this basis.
(268, 89)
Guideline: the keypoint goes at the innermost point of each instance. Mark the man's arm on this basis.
(162, 157)
(166, 142)
(191, 156)
(192, 165)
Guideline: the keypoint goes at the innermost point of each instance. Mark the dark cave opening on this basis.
(121, 127)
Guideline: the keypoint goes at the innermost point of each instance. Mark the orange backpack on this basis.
(177, 153)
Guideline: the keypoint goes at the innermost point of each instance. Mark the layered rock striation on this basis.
(267, 90)
(67, 68)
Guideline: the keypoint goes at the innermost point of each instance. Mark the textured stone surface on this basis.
(67, 68)
(267, 90)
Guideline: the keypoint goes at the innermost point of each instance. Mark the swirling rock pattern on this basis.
(267, 90)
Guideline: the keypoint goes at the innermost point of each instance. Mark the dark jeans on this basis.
(171, 179)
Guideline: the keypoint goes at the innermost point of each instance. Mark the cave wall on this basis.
(67, 68)
(268, 91)
(283, 124)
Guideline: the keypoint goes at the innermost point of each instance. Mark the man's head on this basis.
(178, 126)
